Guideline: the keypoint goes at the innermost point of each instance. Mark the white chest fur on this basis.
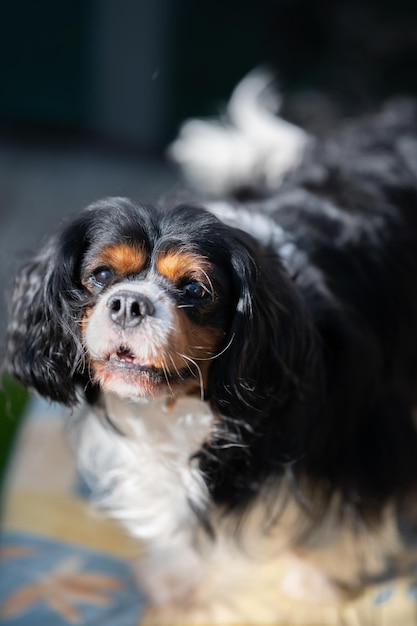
(146, 478)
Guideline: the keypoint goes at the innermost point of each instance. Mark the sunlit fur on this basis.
(264, 401)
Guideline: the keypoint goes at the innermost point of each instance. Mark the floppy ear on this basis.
(43, 345)
(261, 384)
(272, 348)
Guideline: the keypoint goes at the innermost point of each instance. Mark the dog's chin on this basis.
(131, 377)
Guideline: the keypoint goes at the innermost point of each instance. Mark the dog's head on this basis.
(141, 302)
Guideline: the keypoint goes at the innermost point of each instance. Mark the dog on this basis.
(247, 360)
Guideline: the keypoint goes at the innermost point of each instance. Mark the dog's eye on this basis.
(195, 290)
(102, 276)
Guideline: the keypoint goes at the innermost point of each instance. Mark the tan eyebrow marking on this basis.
(176, 265)
(123, 258)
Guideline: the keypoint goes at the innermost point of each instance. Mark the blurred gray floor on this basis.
(41, 185)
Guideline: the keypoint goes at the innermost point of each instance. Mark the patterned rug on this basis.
(62, 562)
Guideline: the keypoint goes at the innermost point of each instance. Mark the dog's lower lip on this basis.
(125, 358)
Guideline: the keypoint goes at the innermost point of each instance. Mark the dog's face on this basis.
(142, 302)
(126, 298)
(156, 313)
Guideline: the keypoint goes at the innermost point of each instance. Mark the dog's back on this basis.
(342, 215)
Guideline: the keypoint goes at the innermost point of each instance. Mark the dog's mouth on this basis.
(124, 357)
(129, 373)
(124, 360)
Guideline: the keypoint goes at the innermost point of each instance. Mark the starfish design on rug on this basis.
(15, 551)
(61, 590)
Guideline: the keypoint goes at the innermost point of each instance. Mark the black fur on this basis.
(319, 377)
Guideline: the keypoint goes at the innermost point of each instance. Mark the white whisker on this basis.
(165, 370)
(200, 375)
(176, 368)
(209, 282)
(215, 356)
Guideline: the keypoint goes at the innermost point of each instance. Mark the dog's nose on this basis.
(128, 309)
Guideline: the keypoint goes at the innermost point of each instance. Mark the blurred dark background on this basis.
(93, 90)
(129, 71)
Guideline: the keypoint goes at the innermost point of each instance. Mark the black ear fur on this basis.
(262, 380)
(272, 341)
(43, 347)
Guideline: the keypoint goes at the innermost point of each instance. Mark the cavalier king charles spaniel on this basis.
(247, 361)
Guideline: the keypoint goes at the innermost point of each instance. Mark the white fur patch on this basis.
(260, 226)
(146, 478)
(253, 147)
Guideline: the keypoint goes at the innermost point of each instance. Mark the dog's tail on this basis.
(252, 148)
